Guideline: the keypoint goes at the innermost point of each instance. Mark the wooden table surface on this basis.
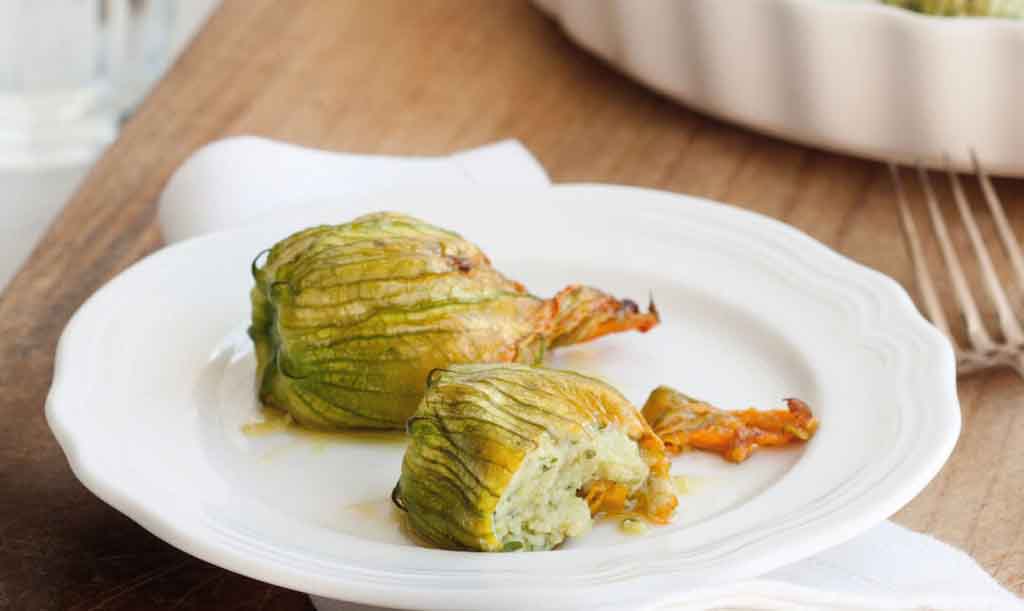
(422, 78)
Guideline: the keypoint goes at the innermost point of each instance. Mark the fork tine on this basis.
(976, 332)
(1008, 322)
(999, 216)
(922, 275)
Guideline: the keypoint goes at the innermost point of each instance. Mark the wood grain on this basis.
(428, 77)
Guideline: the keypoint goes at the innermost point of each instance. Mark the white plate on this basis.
(154, 373)
(856, 77)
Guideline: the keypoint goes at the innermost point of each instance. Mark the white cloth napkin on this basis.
(237, 181)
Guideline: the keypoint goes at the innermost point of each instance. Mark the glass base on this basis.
(55, 127)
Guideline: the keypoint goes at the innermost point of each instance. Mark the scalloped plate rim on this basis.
(360, 588)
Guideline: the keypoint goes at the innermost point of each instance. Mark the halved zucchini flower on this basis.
(512, 457)
(685, 423)
(348, 320)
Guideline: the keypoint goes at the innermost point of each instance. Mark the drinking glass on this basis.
(70, 70)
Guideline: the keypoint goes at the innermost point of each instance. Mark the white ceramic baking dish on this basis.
(856, 77)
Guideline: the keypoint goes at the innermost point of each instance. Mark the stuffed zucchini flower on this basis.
(348, 320)
(512, 457)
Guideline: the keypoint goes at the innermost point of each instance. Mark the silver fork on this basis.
(983, 351)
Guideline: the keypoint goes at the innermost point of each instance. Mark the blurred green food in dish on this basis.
(963, 8)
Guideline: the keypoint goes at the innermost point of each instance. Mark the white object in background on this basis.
(240, 180)
(70, 70)
(34, 190)
(30, 200)
(860, 78)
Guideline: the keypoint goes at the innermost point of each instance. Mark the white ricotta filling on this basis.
(540, 506)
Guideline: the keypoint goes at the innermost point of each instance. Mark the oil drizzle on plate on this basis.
(280, 426)
(687, 484)
(379, 520)
(380, 512)
(275, 421)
